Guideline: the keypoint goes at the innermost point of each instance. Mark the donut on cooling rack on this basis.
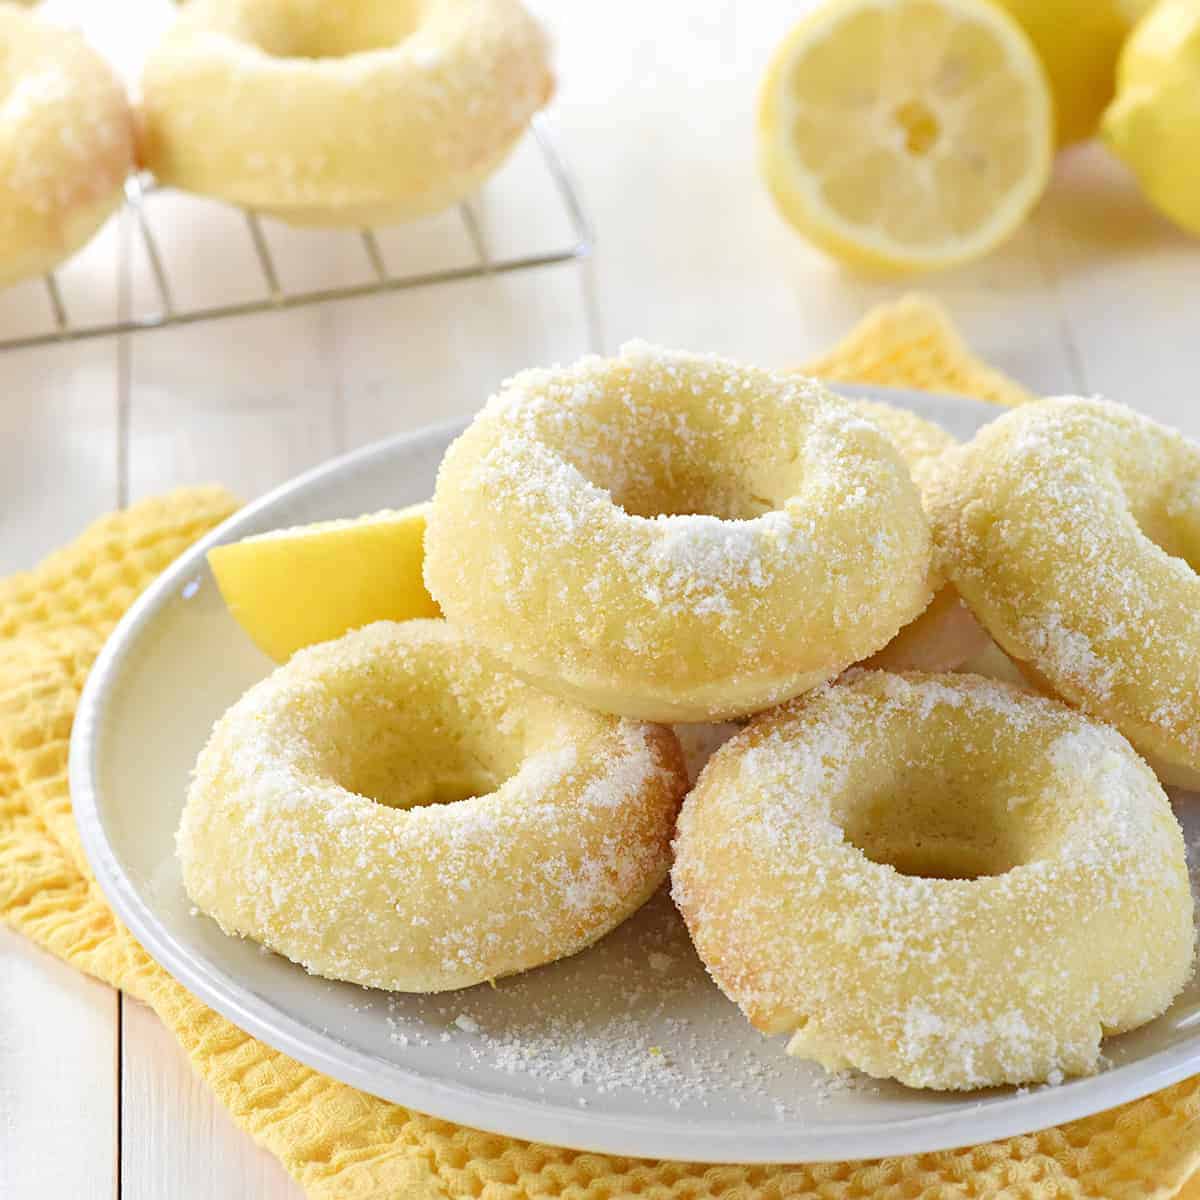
(66, 145)
(390, 809)
(673, 536)
(1072, 528)
(358, 113)
(936, 879)
(946, 634)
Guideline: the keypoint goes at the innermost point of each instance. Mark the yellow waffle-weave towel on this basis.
(341, 1143)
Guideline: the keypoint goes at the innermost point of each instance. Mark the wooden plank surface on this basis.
(177, 1142)
(58, 1078)
(58, 470)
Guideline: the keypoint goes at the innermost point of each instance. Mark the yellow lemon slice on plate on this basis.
(906, 134)
(294, 587)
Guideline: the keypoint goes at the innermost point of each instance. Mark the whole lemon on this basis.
(1078, 42)
(1153, 125)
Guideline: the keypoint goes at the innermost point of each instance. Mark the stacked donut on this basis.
(361, 113)
(910, 869)
(358, 113)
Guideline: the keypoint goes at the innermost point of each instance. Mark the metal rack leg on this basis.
(265, 261)
(56, 303)
(374, 254)
(470, 218)
(138, 187)
(135, 194)
(565, 185)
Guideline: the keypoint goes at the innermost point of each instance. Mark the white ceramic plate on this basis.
(626, 1048)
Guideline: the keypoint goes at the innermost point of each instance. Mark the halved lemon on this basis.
(906, 134)
(294, 587)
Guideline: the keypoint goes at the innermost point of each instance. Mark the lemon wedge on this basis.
(906, 134)
(1154, 123)
(295, 587)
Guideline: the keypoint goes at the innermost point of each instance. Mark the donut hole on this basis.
(937, 828)
(668, 438)
(415, 754)
(1173, 528)
(396, 785)
(931, 857)
(694, 499)
(323, 30)
(664, 466)
(679, 502)
(678, 476)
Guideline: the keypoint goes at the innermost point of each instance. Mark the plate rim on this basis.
(495, 1111)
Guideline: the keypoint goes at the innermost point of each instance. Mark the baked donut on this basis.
(1071, 526)
(66, 144)
(946, 634)
(390, 809)
(361, 113)
(938, 879)
(675, 537)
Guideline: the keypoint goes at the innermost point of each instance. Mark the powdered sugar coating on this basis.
(1069, 525)
(1067, 916)
(629, 1021)
(675, 536)
(364, 112)
(66, 143)
(921, 443)
(320, 821)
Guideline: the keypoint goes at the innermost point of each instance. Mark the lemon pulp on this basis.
(905, 134)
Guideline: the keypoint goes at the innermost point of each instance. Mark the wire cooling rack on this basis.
(275, 297)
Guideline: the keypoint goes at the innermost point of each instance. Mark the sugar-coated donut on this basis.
(390, 809)
(938, 879)
(66, 143)
(1071, 526)
(356, 113)
(946, 634)
(674, 536)
(921, 443)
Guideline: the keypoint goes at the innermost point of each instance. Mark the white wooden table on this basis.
(655, 112)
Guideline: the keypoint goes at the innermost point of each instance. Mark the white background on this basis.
(655, 112)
